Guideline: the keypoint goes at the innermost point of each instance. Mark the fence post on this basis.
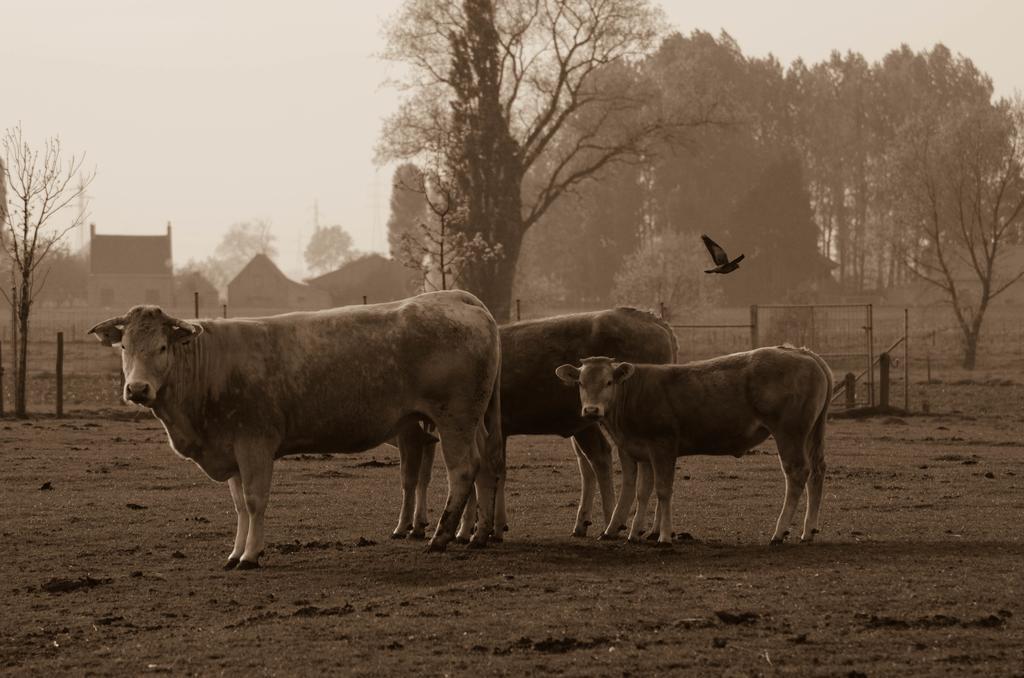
(661, 309)
(224, 308)
(850, 383)
(60, 374)
(884, 362)
(364, 300)
(1, 378)
(195, 298)
(755, 339)
(906, 359)
(870, 331)
(519, 311)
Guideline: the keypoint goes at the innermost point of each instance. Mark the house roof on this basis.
(377, 277)
(262, 266)
(130, 254)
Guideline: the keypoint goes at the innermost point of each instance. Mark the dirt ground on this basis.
(114, 567)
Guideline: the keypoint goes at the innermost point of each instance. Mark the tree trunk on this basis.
(20, 393)
(970, 350)
(495, 287)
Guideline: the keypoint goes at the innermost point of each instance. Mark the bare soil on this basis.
(114, 567)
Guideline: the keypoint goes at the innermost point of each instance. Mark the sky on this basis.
(206, 113)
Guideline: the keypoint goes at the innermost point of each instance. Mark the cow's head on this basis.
(598, 378)
(146, 335)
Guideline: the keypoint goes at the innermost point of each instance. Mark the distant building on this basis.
(125, 270)
(373, 276)
(262, 286)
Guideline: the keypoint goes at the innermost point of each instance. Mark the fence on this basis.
(849, 336)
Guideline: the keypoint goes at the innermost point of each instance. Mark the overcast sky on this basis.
(204, 113)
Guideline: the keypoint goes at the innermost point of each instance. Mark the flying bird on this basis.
(721, 259)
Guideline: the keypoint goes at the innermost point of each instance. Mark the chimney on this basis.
(92, 230)
(168, 229)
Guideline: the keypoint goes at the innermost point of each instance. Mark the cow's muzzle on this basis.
(592, 412)
(138, 392)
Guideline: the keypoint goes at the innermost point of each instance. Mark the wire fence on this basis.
(92, 376)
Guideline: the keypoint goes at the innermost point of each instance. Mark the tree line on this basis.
(588, 148)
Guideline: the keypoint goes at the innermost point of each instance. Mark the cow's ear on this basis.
(623, 371)
(109, 332)
(182, 331)
(569, 374)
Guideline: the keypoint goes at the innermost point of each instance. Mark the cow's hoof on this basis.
(633, 540)
(231, 564)
(653, 536)
(435, 547)
(496, 537)
(606, 537)
(398, 535)
(248, 565)
(459, 539)
(662, 544)
(579, 532)
(418, 534)
(477, 543)
(776, 541)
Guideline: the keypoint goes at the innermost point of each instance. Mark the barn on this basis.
(125, 270)
(376, 277)
(261, 286)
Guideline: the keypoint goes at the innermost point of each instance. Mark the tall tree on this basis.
(408, 209)
(965, 183)
(542, 72)
(42, 184)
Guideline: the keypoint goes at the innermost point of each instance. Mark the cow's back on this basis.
(340, 380)
(534, 401)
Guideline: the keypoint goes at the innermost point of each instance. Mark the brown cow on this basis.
(535, 403)
(234, 395)
(725, 405)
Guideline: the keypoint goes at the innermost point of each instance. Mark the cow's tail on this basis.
(490, 442)
(817, 441)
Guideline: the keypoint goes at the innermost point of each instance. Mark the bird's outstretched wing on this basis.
(738, 259)
(718, 255)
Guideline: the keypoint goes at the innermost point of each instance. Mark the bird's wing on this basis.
(738, 259)
(718, 255)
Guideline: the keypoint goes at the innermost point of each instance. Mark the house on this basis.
(261, 285)
(125, 270)
(376, 277)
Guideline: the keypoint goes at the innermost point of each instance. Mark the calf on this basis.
(722, 406)
(234, 395)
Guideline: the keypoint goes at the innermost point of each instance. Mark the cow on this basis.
(722, 406)
(535, 403)
(235, 395)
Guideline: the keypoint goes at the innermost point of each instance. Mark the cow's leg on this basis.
(588, 483)
(814, 488)
(626, 496)
(500, 512)
(419, 517)
(410, 452)
(599, 453)
(643, 495)
(664, 467)
(242, 526)
(256, 468)
(469, 519)
(794, 465)
(457, 448)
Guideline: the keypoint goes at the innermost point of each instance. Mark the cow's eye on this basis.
(609, 383)
(163, 349)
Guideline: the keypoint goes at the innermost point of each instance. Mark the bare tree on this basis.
(42, 184)
(329, 247)
(549, 85)
(437, 247)
(966, 184)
